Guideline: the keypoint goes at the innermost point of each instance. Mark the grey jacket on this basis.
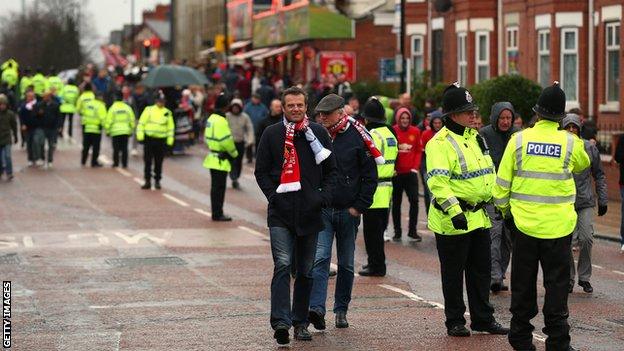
(584, 193)
(241, 127)
(496, 139)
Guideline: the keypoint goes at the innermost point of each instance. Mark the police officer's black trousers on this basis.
(375, 221)
(153, 151)
(217, 192)
(90, 140)
(69, 117)
(120, 149)
(554, 257)
(466, 255)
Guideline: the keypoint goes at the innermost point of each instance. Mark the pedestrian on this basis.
(618, 157)
(296, 171)
(54, 81)
(460, 176)
(584, 206)
(48, 110)
(222, 152)
(275, 116)
(406, 173)
(496, 135)
(434, 125)
(518, 122)
(155, 129)
(256, 110)
(86, 96)
(25, 82)
(39, 82)
(140, 100)
(355, 185)
(119, 124)
(69, 97)
(28, 124)
(589, 130)
(243, 134)
(535, 192)
(8, 136)
(375, 218)
(93, 113)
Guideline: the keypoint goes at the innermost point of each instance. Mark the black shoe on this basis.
(332, 272)
(341, 319)
(222, 218)
(235, 184)
(114, 165)
(96, 165)
(586, 287)
(281, 335)
(146, 186)
(493, 328)
(417, 238)
(396, 237)
(458, 330)
(367, 272)
(302, 333)
(157, 185)
(317, 319)
(496, 287)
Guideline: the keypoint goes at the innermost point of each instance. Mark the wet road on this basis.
(98, 264)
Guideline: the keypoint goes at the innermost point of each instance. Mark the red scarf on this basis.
(339, 127)
(290, 178)
(344, 123)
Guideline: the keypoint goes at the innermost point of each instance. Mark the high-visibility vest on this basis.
(120, 119)
(25, 82)
(9, 76)
(55, 82)
(458, 171)
(156, 122)
(219, 139)
(387, 144)
(39, 83)
(83, 99)
(535, 180)
(92, 117)
(69, 96)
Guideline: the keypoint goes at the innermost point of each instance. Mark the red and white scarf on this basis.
(344, 123)
(290, 179)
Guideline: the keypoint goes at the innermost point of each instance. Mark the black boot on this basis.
(302, 333)
(341, 319)
(157, 185)
(281, 335)
(147, 185)
(317, 319)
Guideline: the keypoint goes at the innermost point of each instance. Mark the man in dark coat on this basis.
(296, 171)
(496, 135)
(355, 185)
(48, 110)
(275, 116)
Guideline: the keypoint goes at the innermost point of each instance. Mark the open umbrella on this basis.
(174, 75)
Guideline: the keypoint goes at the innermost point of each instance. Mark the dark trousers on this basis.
(375, 221)
(249, 152)
(237, 163)
(90, 140)
(120, 148)
(51, 137)
(153, 151)
(217, 191)
(407, 182)
(70, 121)
(466, 255)
(554, 257)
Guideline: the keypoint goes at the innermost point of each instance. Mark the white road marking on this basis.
(253, 232)
(597, 266)
(28, 241)
(102, 239)
(8, 242)
(134, 239)
(138, 180)
(618, 272)
(123, 172)
(176, 200)
(105, 160)
(200, 211)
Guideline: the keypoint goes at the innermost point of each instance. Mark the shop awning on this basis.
(275, 52)
(240, 58)
(235, 45)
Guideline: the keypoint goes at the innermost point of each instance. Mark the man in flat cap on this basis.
(353, 193)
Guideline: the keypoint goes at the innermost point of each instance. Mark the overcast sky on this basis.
(108, 14)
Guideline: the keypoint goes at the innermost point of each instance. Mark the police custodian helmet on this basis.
(551, 103)
(457, 99)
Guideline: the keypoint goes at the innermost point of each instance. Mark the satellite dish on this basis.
(442, 5)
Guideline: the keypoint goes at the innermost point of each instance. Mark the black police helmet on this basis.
(551, 103)
(457, 99)
(223, 101)
(374, 111)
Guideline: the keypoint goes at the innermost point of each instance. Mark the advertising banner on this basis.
(239, 18)
(338, 62)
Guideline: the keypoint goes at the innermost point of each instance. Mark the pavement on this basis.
(98, 264)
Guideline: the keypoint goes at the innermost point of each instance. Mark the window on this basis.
(543, 61)
(437, 46)
(482, 53)
(417, 55)
(569, 63)
(512, 49)
(613, 61)
(462, 62)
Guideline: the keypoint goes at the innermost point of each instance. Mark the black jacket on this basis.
(496, 139)
(266, 122)
(619, 157)
(298, 211)
(8, 127)
(357, 172)
(48, 114)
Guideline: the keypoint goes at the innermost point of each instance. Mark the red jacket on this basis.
(410, 149)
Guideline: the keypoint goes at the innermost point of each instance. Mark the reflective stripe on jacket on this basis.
(535, 180)
(387, 144)
(457, 169)
(219, 139)
(156, 122)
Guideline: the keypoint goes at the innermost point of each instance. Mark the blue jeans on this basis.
(343, 225)
(622, 220)
(285, 247)
(6, 164)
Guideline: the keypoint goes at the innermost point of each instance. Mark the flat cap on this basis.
(329, 103)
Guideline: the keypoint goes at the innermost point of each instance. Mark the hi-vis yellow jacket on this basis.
(156, 122)
(219, 140)
(535, 181)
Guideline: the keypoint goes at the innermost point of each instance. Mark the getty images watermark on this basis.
(6, 314)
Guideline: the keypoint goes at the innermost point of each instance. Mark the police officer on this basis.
(39, 82)
(375, 218)
(54, 81)
(155, 130)
(93, 114)
(25, 82)
(222, 152)
(69, 96)
(119, 126)
(535, 192)
(460, 177)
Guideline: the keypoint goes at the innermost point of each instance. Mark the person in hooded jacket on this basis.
(496, 135)
(243, 133)
(433, 126)
(584, 205)
(406, 172)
